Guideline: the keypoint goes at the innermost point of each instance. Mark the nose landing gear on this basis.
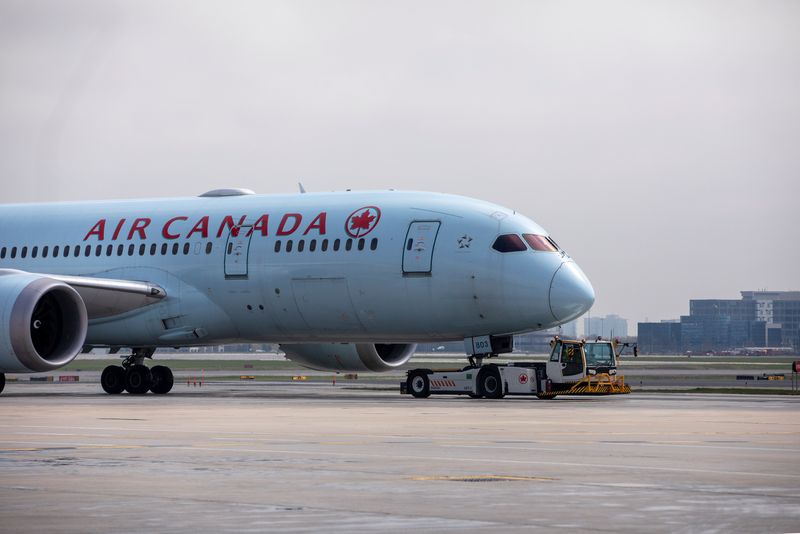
(135, 377)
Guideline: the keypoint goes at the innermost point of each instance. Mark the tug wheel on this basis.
(418, 384)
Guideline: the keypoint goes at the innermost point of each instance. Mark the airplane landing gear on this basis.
(135, 377)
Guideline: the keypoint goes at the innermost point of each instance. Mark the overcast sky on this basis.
(658, 142)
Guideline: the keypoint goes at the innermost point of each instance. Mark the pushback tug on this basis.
(575, 367)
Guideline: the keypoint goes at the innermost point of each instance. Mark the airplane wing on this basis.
(105, 297)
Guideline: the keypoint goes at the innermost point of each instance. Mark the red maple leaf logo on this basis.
(362, 222)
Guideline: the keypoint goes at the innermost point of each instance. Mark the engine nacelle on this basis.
(350, 357)
(43, 322)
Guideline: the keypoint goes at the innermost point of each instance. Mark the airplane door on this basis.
(418, 250)
(237, 251)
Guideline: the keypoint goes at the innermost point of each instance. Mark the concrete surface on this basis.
(279, 457)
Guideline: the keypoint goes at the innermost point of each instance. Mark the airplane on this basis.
(342, 281)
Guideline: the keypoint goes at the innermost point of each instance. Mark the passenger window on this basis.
(301, 245)
(324, 245)
(174, 249)
(278, 245)
(13, 252)
(109, 250)
(24, 253)
(409, 244)
(44, 251)
(2, 253)
(66, 251)
(186, 248)
(76, 251)
(348, 245)
(120, 248)
(336, 243)
(98, 250)
(164, 248)
(361, 243)
(209, 246)
(540, 243)
(55, 251)
(87, 250)
(131, 249)
(230, 248)
(289, 245)
(373, 244)
(141, 249)
(509, 243)
(153, 248)
(312, 245)
(34, 252)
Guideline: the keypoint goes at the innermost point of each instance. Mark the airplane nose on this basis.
(571, 293)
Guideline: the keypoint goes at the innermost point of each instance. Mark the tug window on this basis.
(509, 243)
(540, 243)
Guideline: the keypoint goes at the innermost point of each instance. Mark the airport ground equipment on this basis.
(573, 368)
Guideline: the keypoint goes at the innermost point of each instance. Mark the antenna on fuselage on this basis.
(302, 189)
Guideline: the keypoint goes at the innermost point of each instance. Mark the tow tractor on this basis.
(575, 367)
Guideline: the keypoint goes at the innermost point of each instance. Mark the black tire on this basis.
(2, 382)
(113, 379)
(474, 396)
(545, 397)
(162, 379)
(490, 384)
(138, 380)
(418, 384)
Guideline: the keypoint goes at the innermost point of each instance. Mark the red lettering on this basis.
(165, 231)
(99, 229)
(201, 226)
(120, 224)
(318, 223)
(138, 227)
(282, 227)
(261, 224)
(233, 227)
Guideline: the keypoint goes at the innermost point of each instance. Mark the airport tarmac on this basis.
(277, 456)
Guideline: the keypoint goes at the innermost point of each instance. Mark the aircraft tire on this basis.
(138, 380)
(419, 384)
(113, 379)
(490, 384)
(2, 382)
(162, 379)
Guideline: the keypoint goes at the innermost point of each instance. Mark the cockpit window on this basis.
(540, 243)
(509, 243)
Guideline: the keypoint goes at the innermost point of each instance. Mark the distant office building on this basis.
(609, 326)
(758, 319)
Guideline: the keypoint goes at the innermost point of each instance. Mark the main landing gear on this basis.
(135, 377)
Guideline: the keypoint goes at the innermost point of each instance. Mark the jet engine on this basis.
(350, 357)
(43, 322)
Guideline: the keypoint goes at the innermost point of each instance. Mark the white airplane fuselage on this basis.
(381, 267)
